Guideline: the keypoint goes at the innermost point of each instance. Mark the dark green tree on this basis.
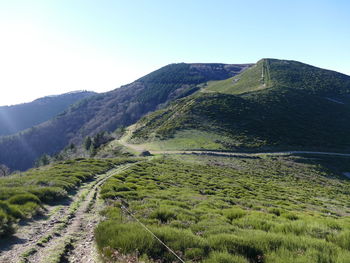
(4, 170)
(87, 143)
(43, 160)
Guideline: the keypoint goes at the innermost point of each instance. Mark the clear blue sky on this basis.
(50, 47)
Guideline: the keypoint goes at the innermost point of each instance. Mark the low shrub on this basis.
(21, 199)
(6, 224)
(235, 245)
(234, 213)
(164, 215)
(130, 237)
(49, 194)
(126, 238)
(275, 211)
(225, 257)
(10, 210)
(290, 216)
(342, 240)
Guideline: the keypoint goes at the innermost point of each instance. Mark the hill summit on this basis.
(275, 104)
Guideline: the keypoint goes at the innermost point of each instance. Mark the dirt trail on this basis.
(140, 148)
(251, 154)
(65, 236)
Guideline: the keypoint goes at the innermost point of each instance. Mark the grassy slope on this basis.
(295, 110)
(216, 209)
(284, 74)
(252, 80)
(22, 195)
(189, 139)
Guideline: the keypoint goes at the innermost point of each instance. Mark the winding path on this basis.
(67, 235)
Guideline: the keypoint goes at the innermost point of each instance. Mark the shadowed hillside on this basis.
(108, 111)
(22, 116)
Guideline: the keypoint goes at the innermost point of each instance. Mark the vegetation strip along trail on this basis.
(51, 239)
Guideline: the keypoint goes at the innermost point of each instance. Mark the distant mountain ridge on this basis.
(110, 110)
(19, 117)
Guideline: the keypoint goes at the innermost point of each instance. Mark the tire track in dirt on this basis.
(85, 250)
(67, 235)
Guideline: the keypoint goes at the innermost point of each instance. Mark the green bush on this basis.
(181, 240)
(24, 198)
(195, 254)
(291, 216)
(130, 237)
(164, 215)
(310, 255)
(275, 211)
(6, 224)
(235, 245)
(29, 209)
(224, 257)
(10, 210)
(49, 194)
(343, 240)
(127, 238)
(234, 213)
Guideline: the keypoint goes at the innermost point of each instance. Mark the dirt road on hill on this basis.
(251, 154)
(141, 148)
(66, 234)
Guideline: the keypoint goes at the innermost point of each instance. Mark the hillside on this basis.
(108, 111)
(276, 104)
(19, 117)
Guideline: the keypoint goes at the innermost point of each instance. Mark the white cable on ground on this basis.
(148, 230)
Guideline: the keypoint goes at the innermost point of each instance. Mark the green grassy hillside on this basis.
(284, 74)
(300, 107)
(255, 78)
(219, 209)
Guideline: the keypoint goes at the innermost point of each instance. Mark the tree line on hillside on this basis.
(106, 112)
(88, 149)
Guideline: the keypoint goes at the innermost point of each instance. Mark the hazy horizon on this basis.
(54, 47)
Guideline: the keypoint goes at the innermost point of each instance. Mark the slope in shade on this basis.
(108, 111)
(23, 116)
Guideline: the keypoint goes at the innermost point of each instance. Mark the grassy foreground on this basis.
(220, 209)
(23, 195)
